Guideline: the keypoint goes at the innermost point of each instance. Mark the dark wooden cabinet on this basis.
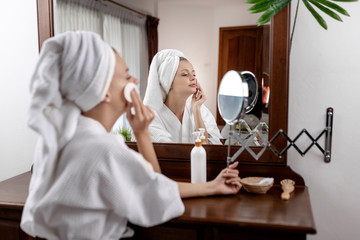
(13, 193)
(242, 216)
(245, 216)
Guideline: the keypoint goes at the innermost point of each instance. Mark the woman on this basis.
(86, 183)
(171, 82)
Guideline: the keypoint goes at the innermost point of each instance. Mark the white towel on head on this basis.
(73, 74)
(161, 75)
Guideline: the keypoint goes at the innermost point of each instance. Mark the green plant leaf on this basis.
(274, 8)
(260, 5)
(317, 16)
(278, 5)
(259, 10)
(253, 1)
(126, 132)
(334, 6)
(265, 17)
(326, 10)
(345, 0)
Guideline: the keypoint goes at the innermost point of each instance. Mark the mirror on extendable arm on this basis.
(252, 88)
(237, 95)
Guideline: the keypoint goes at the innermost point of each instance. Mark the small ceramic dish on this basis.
(259, 185)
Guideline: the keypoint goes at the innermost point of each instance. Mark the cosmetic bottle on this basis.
(198, 161)
(202, 135)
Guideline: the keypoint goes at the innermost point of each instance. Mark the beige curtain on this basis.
(122, 29)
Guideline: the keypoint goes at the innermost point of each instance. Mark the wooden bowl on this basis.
(250, 184)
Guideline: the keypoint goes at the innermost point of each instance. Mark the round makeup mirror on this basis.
(238, 93)
(253, 90)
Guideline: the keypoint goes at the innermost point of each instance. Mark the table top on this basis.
(265, 211)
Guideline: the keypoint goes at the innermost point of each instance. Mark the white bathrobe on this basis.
(86, 183)
(100, 185)
(167, 128)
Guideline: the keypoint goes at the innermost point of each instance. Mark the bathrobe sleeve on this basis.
(133, 190)
(211, 126)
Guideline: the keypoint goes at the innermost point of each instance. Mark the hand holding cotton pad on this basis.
(128, 88)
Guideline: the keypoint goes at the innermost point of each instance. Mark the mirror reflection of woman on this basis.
(177, 98)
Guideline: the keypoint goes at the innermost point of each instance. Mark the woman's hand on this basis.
(139, 124)
(228, 181)
(143, 114)
(198, 98)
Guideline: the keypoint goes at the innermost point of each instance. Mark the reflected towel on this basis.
(161, 75)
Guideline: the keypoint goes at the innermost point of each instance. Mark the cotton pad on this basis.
(128, 88)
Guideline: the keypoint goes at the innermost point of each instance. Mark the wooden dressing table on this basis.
(242, 216)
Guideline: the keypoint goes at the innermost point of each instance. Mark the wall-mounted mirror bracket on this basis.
(255, 133)
(254, 136)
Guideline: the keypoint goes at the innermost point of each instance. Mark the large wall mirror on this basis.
(278, 102)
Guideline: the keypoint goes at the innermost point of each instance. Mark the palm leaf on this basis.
(253, 1)
(326, 10)
(261, 5)
(265, 17)
(259, 10)
(345, 0)
(317, 16)
(273, 9)
(334, 6)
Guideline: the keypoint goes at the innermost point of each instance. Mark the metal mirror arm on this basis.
(328, 136)
(292, 143)
(245, 144)
(229, 159)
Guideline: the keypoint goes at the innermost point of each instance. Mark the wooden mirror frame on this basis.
(174, 158)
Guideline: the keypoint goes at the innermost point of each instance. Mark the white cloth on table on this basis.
(167, 128)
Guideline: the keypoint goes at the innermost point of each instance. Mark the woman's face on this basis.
(120, 79)
(185, 81)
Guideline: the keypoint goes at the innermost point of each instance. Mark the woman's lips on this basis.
(192, 85)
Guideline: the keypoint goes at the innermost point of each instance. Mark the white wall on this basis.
(189, 29)
(19, 52)
(324, 72)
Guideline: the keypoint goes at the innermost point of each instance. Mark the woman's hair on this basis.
(183, 59)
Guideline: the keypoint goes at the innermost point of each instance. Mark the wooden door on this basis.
(244, 48)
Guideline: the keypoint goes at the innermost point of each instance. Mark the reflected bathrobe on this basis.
(100, 184)
(167, 128)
